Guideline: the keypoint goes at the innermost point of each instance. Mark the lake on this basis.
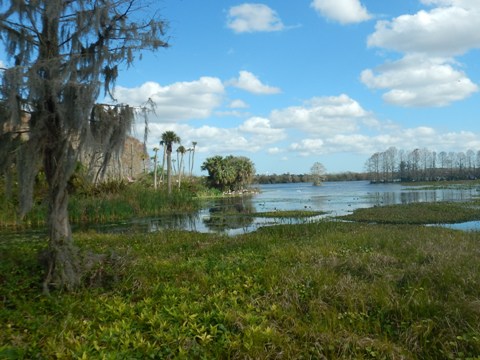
(227, 215)
(334, 198)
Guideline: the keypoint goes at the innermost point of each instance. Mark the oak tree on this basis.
(62, 54)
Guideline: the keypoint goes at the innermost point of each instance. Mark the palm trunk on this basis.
(162, 178)
(180, 167)
(169, 171)
(193, 160)
(155, 169)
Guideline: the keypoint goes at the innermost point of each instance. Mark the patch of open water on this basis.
(227, 215)
(333, 198)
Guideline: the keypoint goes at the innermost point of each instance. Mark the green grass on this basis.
(450, 184)
(131, 201)
(327, 290)
(418, 213)
(293, 214)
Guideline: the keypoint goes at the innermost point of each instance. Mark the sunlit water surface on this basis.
(333, 198)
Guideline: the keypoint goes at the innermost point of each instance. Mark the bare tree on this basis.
(62, 52)
(318, 173)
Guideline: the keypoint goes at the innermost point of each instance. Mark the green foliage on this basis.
(229, 173)
(327, 290)
(418, 213)
(107, 202)
(289, 214)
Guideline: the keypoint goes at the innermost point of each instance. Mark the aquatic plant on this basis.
(326, 290)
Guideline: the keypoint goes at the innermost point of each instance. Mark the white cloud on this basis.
(342, 11)
(179, 101)
(261, 129)
(248, 18)
(2, 65)
(463, 3)
(427, 75)
(249, 82)
(405, 139)
(308, 147)
(325, 115)
(253, 135)
(238, 104)
(444, 31)
(274, 150)
(417, 81)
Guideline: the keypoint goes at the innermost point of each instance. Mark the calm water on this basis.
(334, 198)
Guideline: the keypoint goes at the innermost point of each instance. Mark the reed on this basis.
(107, 205)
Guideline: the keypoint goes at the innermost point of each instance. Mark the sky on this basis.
(290, 83)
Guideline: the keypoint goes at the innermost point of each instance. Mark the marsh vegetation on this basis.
(319, 290)
(382, 287)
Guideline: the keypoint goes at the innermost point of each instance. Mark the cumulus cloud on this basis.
(325, 115)
(418, 81)
(248, 18)
(274, 150)
(260, 127)
(179, 101)
(252, 135)
(342, 11)
(406, 139)
(428, 74)
(462, 3)
(238, 104)
(444, 31)
(249, 82)
(322, 125)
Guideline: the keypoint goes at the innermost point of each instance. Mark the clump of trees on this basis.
(422, 165)
(168, 139)
(229, 173)
(63, 53)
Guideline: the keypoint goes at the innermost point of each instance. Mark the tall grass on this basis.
(109, 203)
(325, 290)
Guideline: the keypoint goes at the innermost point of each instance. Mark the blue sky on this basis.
(289, 83)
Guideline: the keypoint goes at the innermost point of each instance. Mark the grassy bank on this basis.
(325, 290)
(108, 203)
(418, 213)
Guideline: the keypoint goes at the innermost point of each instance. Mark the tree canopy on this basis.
(62, 54)
(230, 172)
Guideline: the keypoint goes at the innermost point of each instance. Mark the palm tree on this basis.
(162, 143)
(181, 150)
(155, 168)
(169, 138)
(194, 143)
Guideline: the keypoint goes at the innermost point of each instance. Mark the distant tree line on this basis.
(288, 178)
(285, 178)
(422, 165)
